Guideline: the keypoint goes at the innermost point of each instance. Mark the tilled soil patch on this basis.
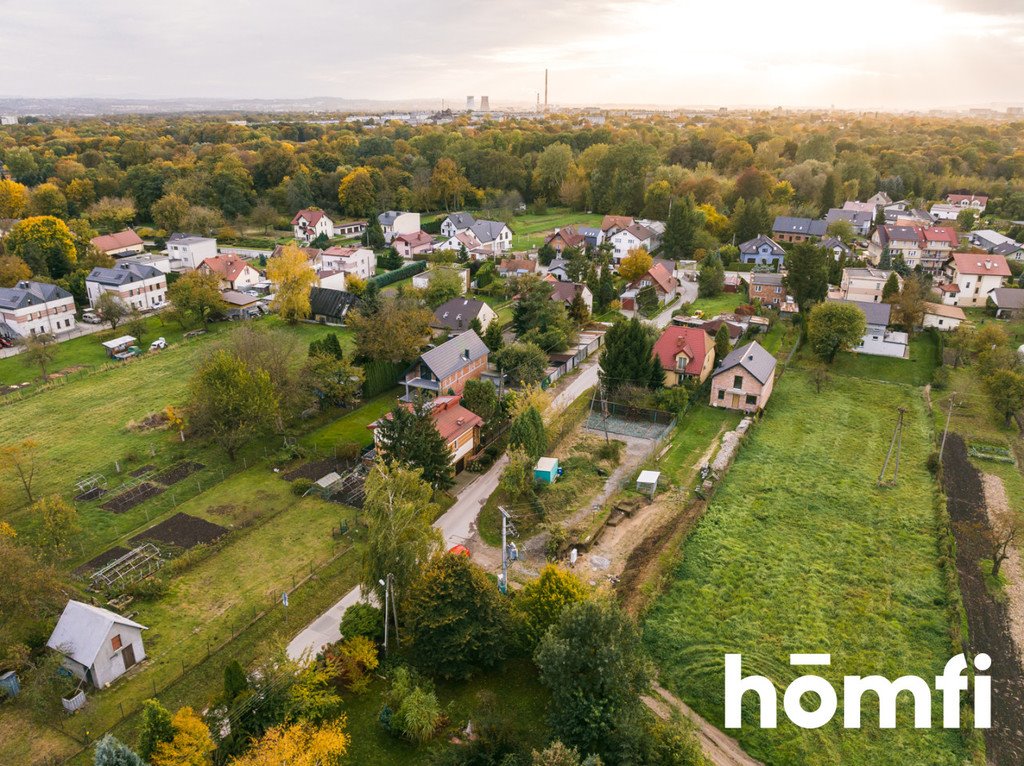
(91, 494)
(317, 469)
(988, 620)
(142, 470)
(177, 472)
(182, 531)
(101, 561)
(132, 497)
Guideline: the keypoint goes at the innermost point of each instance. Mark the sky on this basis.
(871, 54)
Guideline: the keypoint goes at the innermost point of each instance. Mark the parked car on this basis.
(158, 344)
(91, 317)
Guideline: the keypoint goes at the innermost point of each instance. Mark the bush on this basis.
(348, 451)
(365, 620)
(411, 709)
(933, 463)
(398, 275)
(940, 378)
(301, 486)
(611, 450)
(148, 589)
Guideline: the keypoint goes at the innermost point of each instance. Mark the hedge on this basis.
(380, 376)
(408, 270)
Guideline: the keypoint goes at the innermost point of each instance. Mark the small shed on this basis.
(9, 685)
(117, 345)
(98, 645)
(546, 470)
(647, 482)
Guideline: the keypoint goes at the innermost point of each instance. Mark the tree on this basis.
(13, 270)
(539, 319)
(1001, 535)
(408, 435)
(400, 536)
(578, 310)
(390, 260)
(328, 345)
(357, 194)
(20, 460)
(231, 402)
(606, 292)
(637, 263)
(517, 478)
(456, 618)
(540, 603)
(298, 744)
(448, 187)
(40, 351)
(59, 523)
(292, 276)
(492, 336)
(681, 228)
(48, 200)
(33, 592)
(110, 751)
(331, 381)
(556, 754)
(170, 211)
(965, 219)
(394, 333)
(481, 398)
(522, 362)
(891, 287)
(835, 327)
(829, 194)
(156, 728)
(235, 681)
(909, 308)
(1006, 389)
(111, 308)
(444, 285)
(722, 342)
(111, 213)
(842, 229)
(45, 243)
(750, 219)
(363, 619)
(13, 198)
(528, 432)
(553, 166)
(196, 297)
(593, 664)
(807, 275)
(373, 237)
(629, 358)
(647, 300)
(191, 744)
(710, 276)
(135, 324)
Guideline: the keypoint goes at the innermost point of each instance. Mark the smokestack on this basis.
(545, 90)
(470, 103)
(485, 103)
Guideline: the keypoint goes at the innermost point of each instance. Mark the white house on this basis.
(138, 286)
(395, 222)
(945, 212)
(456, 222)
(878, 340)
(98, 645)
(942, 317)
(865, 284)
(968, 278)
(493, 236)
(976, 202)
(310, 223)
(359, 261)
(233, 272)
(187, 251)
(630, 238)
(33, 308)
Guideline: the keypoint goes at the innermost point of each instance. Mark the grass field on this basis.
(530, 230)
(694, 433)
(917, 370)
(724, 303)
(352, 427)
(800, 551)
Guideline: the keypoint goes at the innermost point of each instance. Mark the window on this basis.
(721, 394)
(737, 381)
(115, 642)
(751, 399)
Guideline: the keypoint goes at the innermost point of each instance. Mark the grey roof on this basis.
(82, 629)
(810, 226)
(457, 313)
(1006, 248)
(123, 273)
(454, 354)
(765, 278)
(461, 220)
(487, 231)
(590, 232)
(27, 293)
(753, 358)
(833, 242)
(856, 217)
(751, 245)
(874, 313)
(989, 238)
(1008, 297)
(187, 239)
(558, 263)
(323, 301)
(388, 217)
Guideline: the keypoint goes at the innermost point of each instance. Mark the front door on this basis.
(128, 655)
(735, 401)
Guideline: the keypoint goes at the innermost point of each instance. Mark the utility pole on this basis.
(945, 431)
(897, 444)
(504, 549)
(390, 609)
(386, 592)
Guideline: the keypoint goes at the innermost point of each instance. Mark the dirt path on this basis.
(719, 747)
(998, 505)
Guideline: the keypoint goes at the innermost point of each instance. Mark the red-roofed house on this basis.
(685, 352)
(310, 223)
(233, 272)
(411, 245)
(665, 286)
(613, 223)
(459, 427)
(969, 278)
(937, 244)
(565, 238)
(124, 242)
(975, 201)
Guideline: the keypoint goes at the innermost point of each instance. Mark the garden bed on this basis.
(142, 470)
(132, 497)
(92, 494)
(101, 561)
(182, 531)
(177, 472)
(317, 469)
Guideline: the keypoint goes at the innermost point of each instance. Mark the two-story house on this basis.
(766, 287)
(413, 244)
(35, 308)
(865, 284)
(763, 251)
(458, 427)
(631, 238)
(233, 272)
(878, 340)
(613, 223)
(187, 251)
(860, 220)
(937, 244)
(458, 314)
(789, 229)
(967, 279)
(665, 287)
(310, 223)
(395, 222)
(566, 292)
(897, 241)
(685, 352)
(444, 370)
(976, 202)
(745, 379)
(564, 238)
(358, 261)
(493, 236)
(135, 284)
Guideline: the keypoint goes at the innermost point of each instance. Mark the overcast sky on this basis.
(889, 54)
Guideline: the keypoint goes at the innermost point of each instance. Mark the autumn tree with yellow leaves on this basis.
(191, 744)
(301, 744)
(293, 277)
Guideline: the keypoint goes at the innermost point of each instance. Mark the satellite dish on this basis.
(573, 555)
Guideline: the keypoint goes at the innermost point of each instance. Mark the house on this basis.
(592, 235)
(138, 286)
(413, 244)
(968, 279)
(1008, 302)
(908, 217)
(613, 223)
(878, 340)
(865, 284)
(977, 202)
(924, 246)
(744, 380)
(566, 293)
(557, 269)
(458, 427)
(456, 222)
(516, 267)
(860, 220)
(565, 238)
(422, 280)
(494, 236)
(233, 272)
(350, 228)
(949, 317)
(444, 370)
(395, 222)
(328, 306)
(238, 305)
(313, 255)
(35, 308)
(789, 229)
(944, 212)
(99, 646)
(187, 251)
(881, 199)
(763, 251)
(357, 261)
(125, 242)
(766, 287)
(664, 284)
(993, 242)
(310, 223)
(465, 240)
(937, 244)
(633, 237)
(733, 329)
(836, 247)
(159, 261)
(685, 352)
(861, 207)
(456, 315)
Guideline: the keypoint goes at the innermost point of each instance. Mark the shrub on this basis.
(148, 589)
(365, 620)
(301, 486)
(940, 378)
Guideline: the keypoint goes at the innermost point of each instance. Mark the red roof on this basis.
(981, 264)
(692, 341)
(956, 199)
(451, 419)
(569, 235)
(416, 238)
(659, 275)
(941, 234)
(117, 241)
(228, 267)
(312, 217)
(619, 221)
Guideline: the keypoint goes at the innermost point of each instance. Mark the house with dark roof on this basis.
(136, 285)
(836, 248)
(310, 223)
(763, 251)
(565, 238)
(444, 370)
(789, 229)
(766, 287)
(878, 339)
(493, 236)
(395, 222)
(566, 292)
(328, 306)
(744, 380)
(685, 352)
(125, 242)
(456, 315)
(1008, 302)
(35, 308)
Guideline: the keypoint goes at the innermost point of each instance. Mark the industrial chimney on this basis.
(470, 103)
(485, 103)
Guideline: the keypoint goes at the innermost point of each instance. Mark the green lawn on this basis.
(530, 230)
(800, 551)
(724, 303)
(694, 433)
(352, 427)
(917, 370)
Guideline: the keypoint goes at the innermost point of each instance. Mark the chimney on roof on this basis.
(988, 264)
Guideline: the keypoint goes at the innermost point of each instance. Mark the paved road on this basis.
(455, 525)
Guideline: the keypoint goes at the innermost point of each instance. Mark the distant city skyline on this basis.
(914, 55)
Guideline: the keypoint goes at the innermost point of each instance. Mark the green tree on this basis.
(40, 351)
(540, 603)
(170, 211)
(553, 166)
(681, 228)
(842, 229)
(909, 307)
(407, 435)
(492, 336)
(578, 311)
(647, 300)
(523, 362)
(807, 275)
(155, 728)
(629, 358)
(48, 200)
(1006, 389)
(111, 308)
(517, 478)
(965, 219)
(456, 618)
(444, 285)
(110, 751)
(196, 297)
(328, 345)
(45, 243)
(357, 194)
(528, 432)
(331, 381)
(111, 213)
(373, 237)
(750, 219)
(59, 524)
(363, 620)
(481, 398)
(833, 327)
(606, 290)
(891, 287)
(710, 276)
(13, 270)
(722, 342)
(390, 260)
(394, 333)
(538, 318)
(829, 194)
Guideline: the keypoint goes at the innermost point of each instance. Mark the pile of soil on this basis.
(317, 469)
(177, 472)
(987, 619)
(131, 498)
(93, 565)
(91, 494)
(182, 531)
